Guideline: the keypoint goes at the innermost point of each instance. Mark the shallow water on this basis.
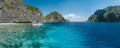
(61, 35)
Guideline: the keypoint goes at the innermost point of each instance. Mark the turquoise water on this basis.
(61, 35)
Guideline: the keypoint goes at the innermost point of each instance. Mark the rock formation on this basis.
(15, 11)
(54, 17)
(36, 14)
(109, 14)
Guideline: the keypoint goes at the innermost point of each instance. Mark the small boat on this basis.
(37, 24)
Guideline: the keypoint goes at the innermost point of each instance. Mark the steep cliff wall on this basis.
(109, 14)
(16, 11)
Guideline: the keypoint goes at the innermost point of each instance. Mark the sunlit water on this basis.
(61, 35)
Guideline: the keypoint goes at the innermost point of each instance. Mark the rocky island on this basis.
(54, 17)
(15, 11)
(109, 14)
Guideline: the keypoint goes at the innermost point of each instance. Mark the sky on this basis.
(73, 10)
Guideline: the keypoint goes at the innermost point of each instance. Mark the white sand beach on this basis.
(8, 23)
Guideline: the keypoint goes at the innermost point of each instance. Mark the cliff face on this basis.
(13, 11)
(16, 11)
(36, 15)
(54, 17)
(109, 14)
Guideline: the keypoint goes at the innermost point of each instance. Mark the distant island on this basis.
(109, 14)
(15, 11)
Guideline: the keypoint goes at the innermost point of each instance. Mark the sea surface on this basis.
(61, 35)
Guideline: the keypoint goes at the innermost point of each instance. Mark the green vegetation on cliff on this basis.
(31, 7)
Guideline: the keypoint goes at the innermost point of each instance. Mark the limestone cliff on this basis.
(54, 17)
(109, 14)
(36, 14)
(16, 11)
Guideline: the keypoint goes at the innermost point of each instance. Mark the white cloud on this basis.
(75, 18)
